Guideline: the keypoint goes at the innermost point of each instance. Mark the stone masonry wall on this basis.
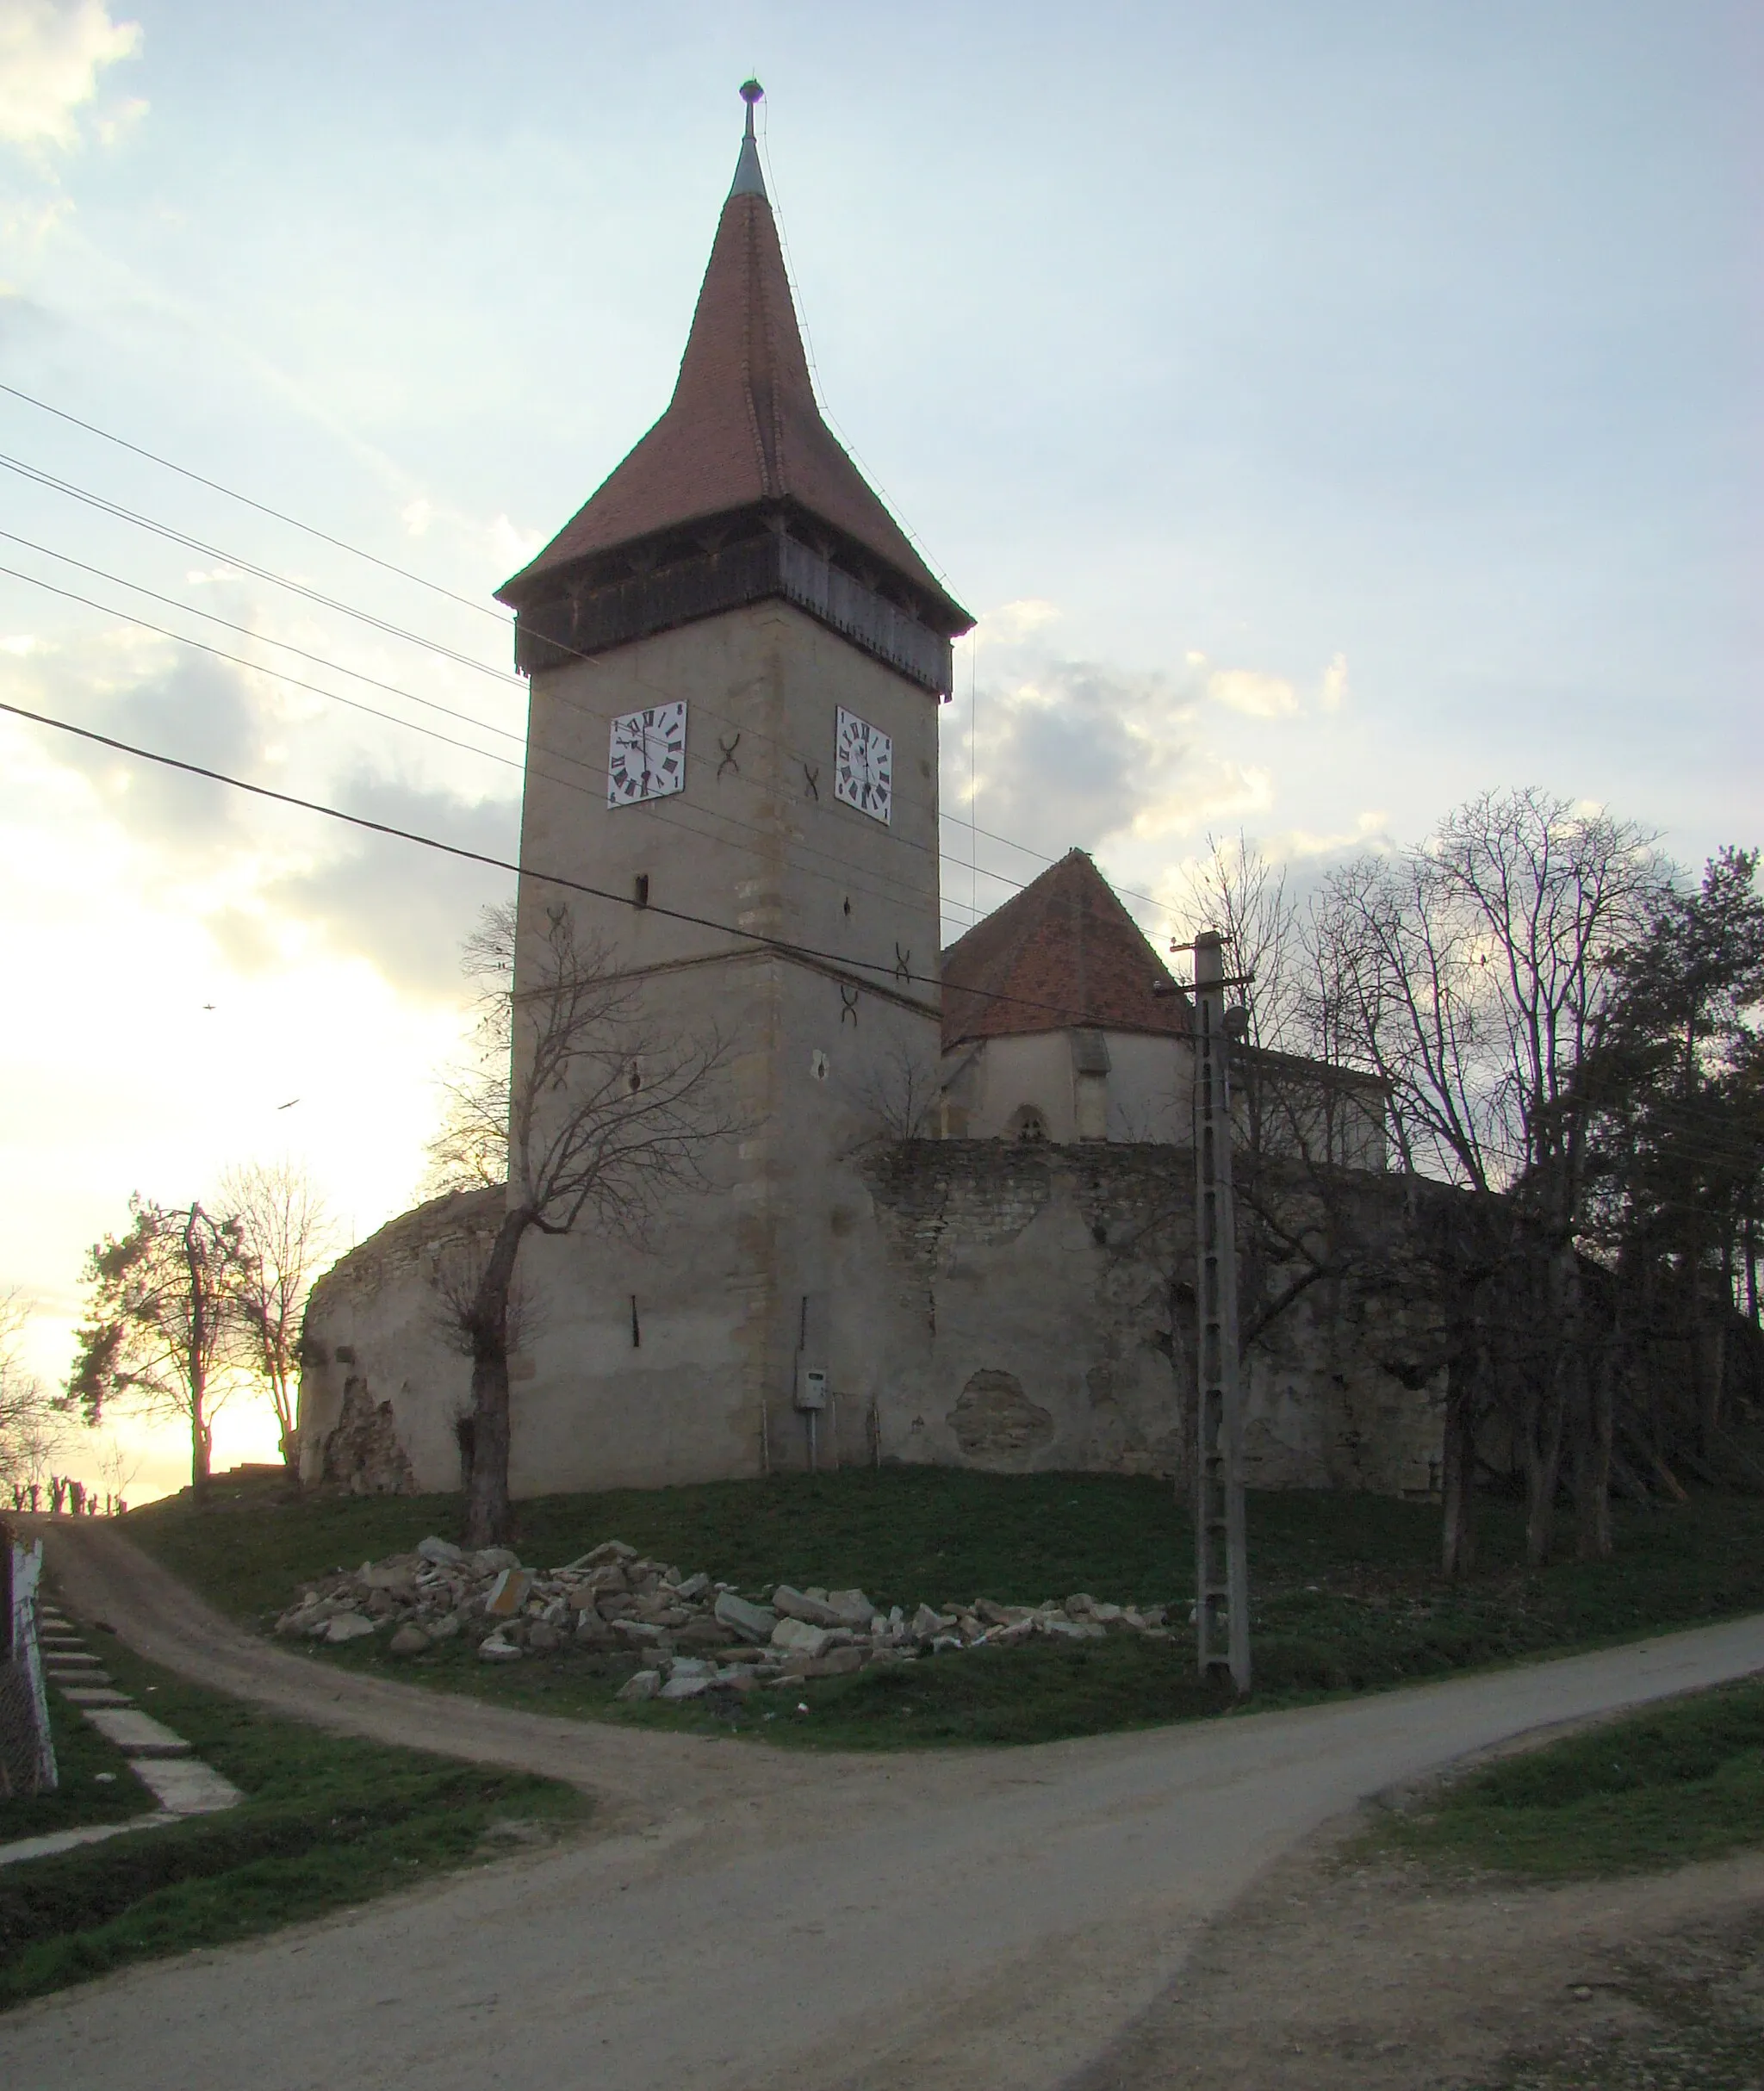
(1008, 1307)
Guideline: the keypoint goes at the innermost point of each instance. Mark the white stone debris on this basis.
(690, 1636)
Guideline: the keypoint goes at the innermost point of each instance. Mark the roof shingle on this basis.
(742, 427)
(1063, 954)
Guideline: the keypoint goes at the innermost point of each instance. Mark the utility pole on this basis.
(1221, 1541)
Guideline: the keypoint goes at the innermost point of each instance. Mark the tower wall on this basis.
(678, 1356)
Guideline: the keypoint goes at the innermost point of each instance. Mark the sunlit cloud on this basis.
(1333, 694)
(51, 56)
(1258, 696)
(1012, 623)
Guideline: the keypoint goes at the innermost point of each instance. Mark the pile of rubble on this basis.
(688, 1633)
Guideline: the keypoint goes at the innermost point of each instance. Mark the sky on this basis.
(1328, 412)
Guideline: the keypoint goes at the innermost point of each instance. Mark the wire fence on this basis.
(27, 1752)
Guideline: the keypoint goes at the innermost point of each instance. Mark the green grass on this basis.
(1347, 1596)
(96, 1782)
(327, 1823)
(1662, 1789)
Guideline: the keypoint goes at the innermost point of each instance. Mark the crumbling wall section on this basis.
(382, 1382)
(1034, 1306)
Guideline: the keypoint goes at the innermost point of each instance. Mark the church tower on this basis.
(736, 659)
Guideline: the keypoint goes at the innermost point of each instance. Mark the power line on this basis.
(783, 946)
(148, 523)
(245, 565)
(275, 674)
(846, 879)
(286, 646)
(263, 508)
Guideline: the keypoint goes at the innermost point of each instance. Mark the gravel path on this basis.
(759, 1918)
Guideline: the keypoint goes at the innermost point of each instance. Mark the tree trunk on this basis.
(287, 1421)
(487, 1518)
(1546, 1401)
(1592, 1454)
(1464, 1401)
(201, 1436)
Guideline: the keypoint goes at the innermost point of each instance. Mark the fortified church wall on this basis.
(998, 1306)
(737, 662)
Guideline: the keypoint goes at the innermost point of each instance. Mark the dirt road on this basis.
(753, 1920)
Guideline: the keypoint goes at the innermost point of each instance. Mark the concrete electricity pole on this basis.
(1221, 1542)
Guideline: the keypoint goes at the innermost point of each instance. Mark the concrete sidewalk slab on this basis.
(136, 1733)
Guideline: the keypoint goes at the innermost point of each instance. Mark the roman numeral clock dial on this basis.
(647, 757)
(863, 774)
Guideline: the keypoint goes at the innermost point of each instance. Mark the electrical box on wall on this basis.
(810, 1388)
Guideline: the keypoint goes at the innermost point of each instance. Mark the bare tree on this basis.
(470, 1151)
(35, 1425)
(901, 1094)
(162, 1322)
(1298, 1121)
(285, 1235)
(1237, 890)
(119, 1466)
(607, 1117)
(1473, 976)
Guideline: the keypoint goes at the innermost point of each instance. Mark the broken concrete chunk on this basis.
(348, 1626)
(800, 1604)
(608, 1550)
(407, 1641)
(493, 1649)
(508, 1593)
(796, 1637)
(684, 1688)
(836, 1662)
(442, 1552)
(926, 1623)
(490, 1560)
(753, 1623)
(644, 1685)
(854, 1608)
(694, 1586)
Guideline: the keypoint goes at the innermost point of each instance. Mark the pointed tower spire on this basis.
(748, 181)
(740, 455)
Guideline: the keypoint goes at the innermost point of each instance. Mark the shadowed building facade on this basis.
(956, 1211)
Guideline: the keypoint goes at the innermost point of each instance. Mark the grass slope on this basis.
(327, 1823)
(1347, 1596)
(1681, 1783)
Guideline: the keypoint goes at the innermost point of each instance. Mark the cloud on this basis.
(1254, 694)
(1012, 623)
(51, 55)
(1334, 692)
(402, 907)
(270, 884)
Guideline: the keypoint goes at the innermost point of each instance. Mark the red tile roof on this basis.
(1063, 954)
(742, 426)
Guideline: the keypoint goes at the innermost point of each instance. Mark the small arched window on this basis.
(1028, 1124)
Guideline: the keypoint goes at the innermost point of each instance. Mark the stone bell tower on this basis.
(736, 659)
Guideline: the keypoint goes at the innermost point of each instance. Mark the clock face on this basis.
(647, 759)
(864, 766)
